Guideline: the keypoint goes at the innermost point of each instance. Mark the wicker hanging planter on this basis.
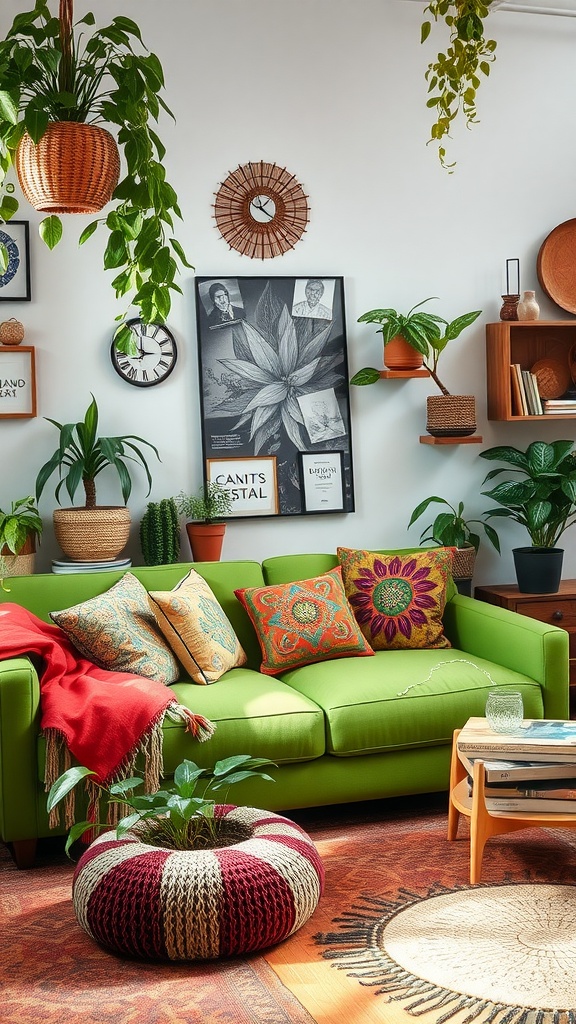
(74, 168)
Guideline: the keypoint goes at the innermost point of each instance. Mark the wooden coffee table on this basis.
(484, 823)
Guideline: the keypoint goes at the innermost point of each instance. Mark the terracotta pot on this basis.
(92, 534)
(399, 355)
(73, 169)
(206, 540)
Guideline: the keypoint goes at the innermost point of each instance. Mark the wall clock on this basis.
(155, 359)
(261, 210)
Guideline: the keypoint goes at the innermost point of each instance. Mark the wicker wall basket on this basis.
(451, 415)
(73, 169)
(92, 534)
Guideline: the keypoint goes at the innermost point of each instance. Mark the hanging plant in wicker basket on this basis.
(57, 81)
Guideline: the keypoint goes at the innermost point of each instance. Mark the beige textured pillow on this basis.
(197, 629)
(117, 630)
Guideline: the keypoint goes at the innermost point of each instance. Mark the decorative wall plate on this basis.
(261, 210)
(556, 265)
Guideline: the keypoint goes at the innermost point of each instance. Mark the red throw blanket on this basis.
(104, 719)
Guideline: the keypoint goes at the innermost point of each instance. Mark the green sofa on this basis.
(341, 730)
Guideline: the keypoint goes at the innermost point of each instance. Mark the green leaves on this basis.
(51, 231)
(451, 529)
(368, 375)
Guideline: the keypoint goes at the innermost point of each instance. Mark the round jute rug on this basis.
(503, 953)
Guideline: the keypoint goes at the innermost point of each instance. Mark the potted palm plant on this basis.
(204, 512)
(57, 80)
(94, 532)
(20, 529)
(541, 497)
(451, 529)
(428, 334)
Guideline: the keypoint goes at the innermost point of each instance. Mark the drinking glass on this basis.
(504, 710)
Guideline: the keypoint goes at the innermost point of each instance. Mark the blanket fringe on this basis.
(149, 748)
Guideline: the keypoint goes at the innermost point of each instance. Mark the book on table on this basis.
(532, 789)
(528, 805)
(536, 739)
(512, 772)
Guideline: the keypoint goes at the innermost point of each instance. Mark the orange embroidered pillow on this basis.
(303, 622)
(398, 598)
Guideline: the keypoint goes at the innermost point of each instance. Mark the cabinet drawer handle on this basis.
(558, 616)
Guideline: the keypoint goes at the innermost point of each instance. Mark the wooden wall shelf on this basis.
(402, 374)
(471, 439)
(523, 342)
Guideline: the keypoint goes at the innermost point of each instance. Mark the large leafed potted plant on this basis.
(204, 513)
(540, 497)
(94, 532)
(450, 528)
(60, 82)
(428, 335)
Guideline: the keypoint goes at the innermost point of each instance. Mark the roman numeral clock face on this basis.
(155, 359)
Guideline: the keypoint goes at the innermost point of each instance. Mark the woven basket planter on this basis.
(161, 904)
(21, 564)
(92, 534)
(73, 169)
(451, 415)
(463, 562)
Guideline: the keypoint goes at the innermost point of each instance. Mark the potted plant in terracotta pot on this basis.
(20, 529)
(205, 512)
(452, 530)
(94, 532)
(403, 335)
(447, 415)
(541, 497)
(57, 80)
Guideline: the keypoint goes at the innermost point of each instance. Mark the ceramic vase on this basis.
(509, 309)
(528, 308)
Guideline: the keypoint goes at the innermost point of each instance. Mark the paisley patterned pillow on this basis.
(303, 622)
(197, 629)
(118, 631)
(398, 598)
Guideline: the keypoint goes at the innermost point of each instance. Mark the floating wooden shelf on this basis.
(525, 342)
(471, 439)
(391, 374)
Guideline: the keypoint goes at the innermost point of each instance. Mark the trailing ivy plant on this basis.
(51, 70)
(454, 76)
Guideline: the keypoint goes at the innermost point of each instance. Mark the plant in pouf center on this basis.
(51, 72)
(176, 819)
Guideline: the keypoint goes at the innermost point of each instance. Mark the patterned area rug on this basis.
(51, 971)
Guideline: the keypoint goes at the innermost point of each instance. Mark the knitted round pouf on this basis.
(157, 903)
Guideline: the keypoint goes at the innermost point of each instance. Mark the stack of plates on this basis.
(65, 564)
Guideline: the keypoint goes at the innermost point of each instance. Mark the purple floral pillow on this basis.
(398, 598)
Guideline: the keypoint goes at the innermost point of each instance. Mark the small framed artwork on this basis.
(17, 382)
(273, 388)
(322, 481)
(15, 265)
(251, 482)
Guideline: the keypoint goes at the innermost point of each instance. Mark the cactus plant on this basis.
(160, 533)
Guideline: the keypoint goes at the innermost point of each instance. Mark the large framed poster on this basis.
(274, 390)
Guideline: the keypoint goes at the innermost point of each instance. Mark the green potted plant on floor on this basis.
(540, 497)
(451, 529)
(20, 530)
(93, 532)
(204, 512)
(57, 80)
(428, 335)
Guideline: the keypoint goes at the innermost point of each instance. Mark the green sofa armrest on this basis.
(19, 728)
(516, 641)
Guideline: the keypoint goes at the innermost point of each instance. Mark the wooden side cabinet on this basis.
(557, 609)
(524, 342)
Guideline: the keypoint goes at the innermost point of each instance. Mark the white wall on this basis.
(334, 90)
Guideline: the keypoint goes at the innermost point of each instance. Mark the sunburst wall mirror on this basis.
(261, 210)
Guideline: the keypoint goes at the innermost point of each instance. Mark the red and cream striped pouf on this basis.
(157, 903)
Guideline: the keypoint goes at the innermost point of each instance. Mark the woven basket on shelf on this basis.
(92, 534)
(11, 332)
(74, 168)
(451, 415)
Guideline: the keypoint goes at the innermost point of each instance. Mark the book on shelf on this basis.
(512, 772)
(529, 391)
(528, 805)
(559, 406)
(540, 739)
(518, 390)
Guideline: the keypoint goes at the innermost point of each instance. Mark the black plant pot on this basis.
(538, 570)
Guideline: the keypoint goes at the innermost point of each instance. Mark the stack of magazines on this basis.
(532, 770)
(65, 564)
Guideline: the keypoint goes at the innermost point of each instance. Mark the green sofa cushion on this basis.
(367, 712)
